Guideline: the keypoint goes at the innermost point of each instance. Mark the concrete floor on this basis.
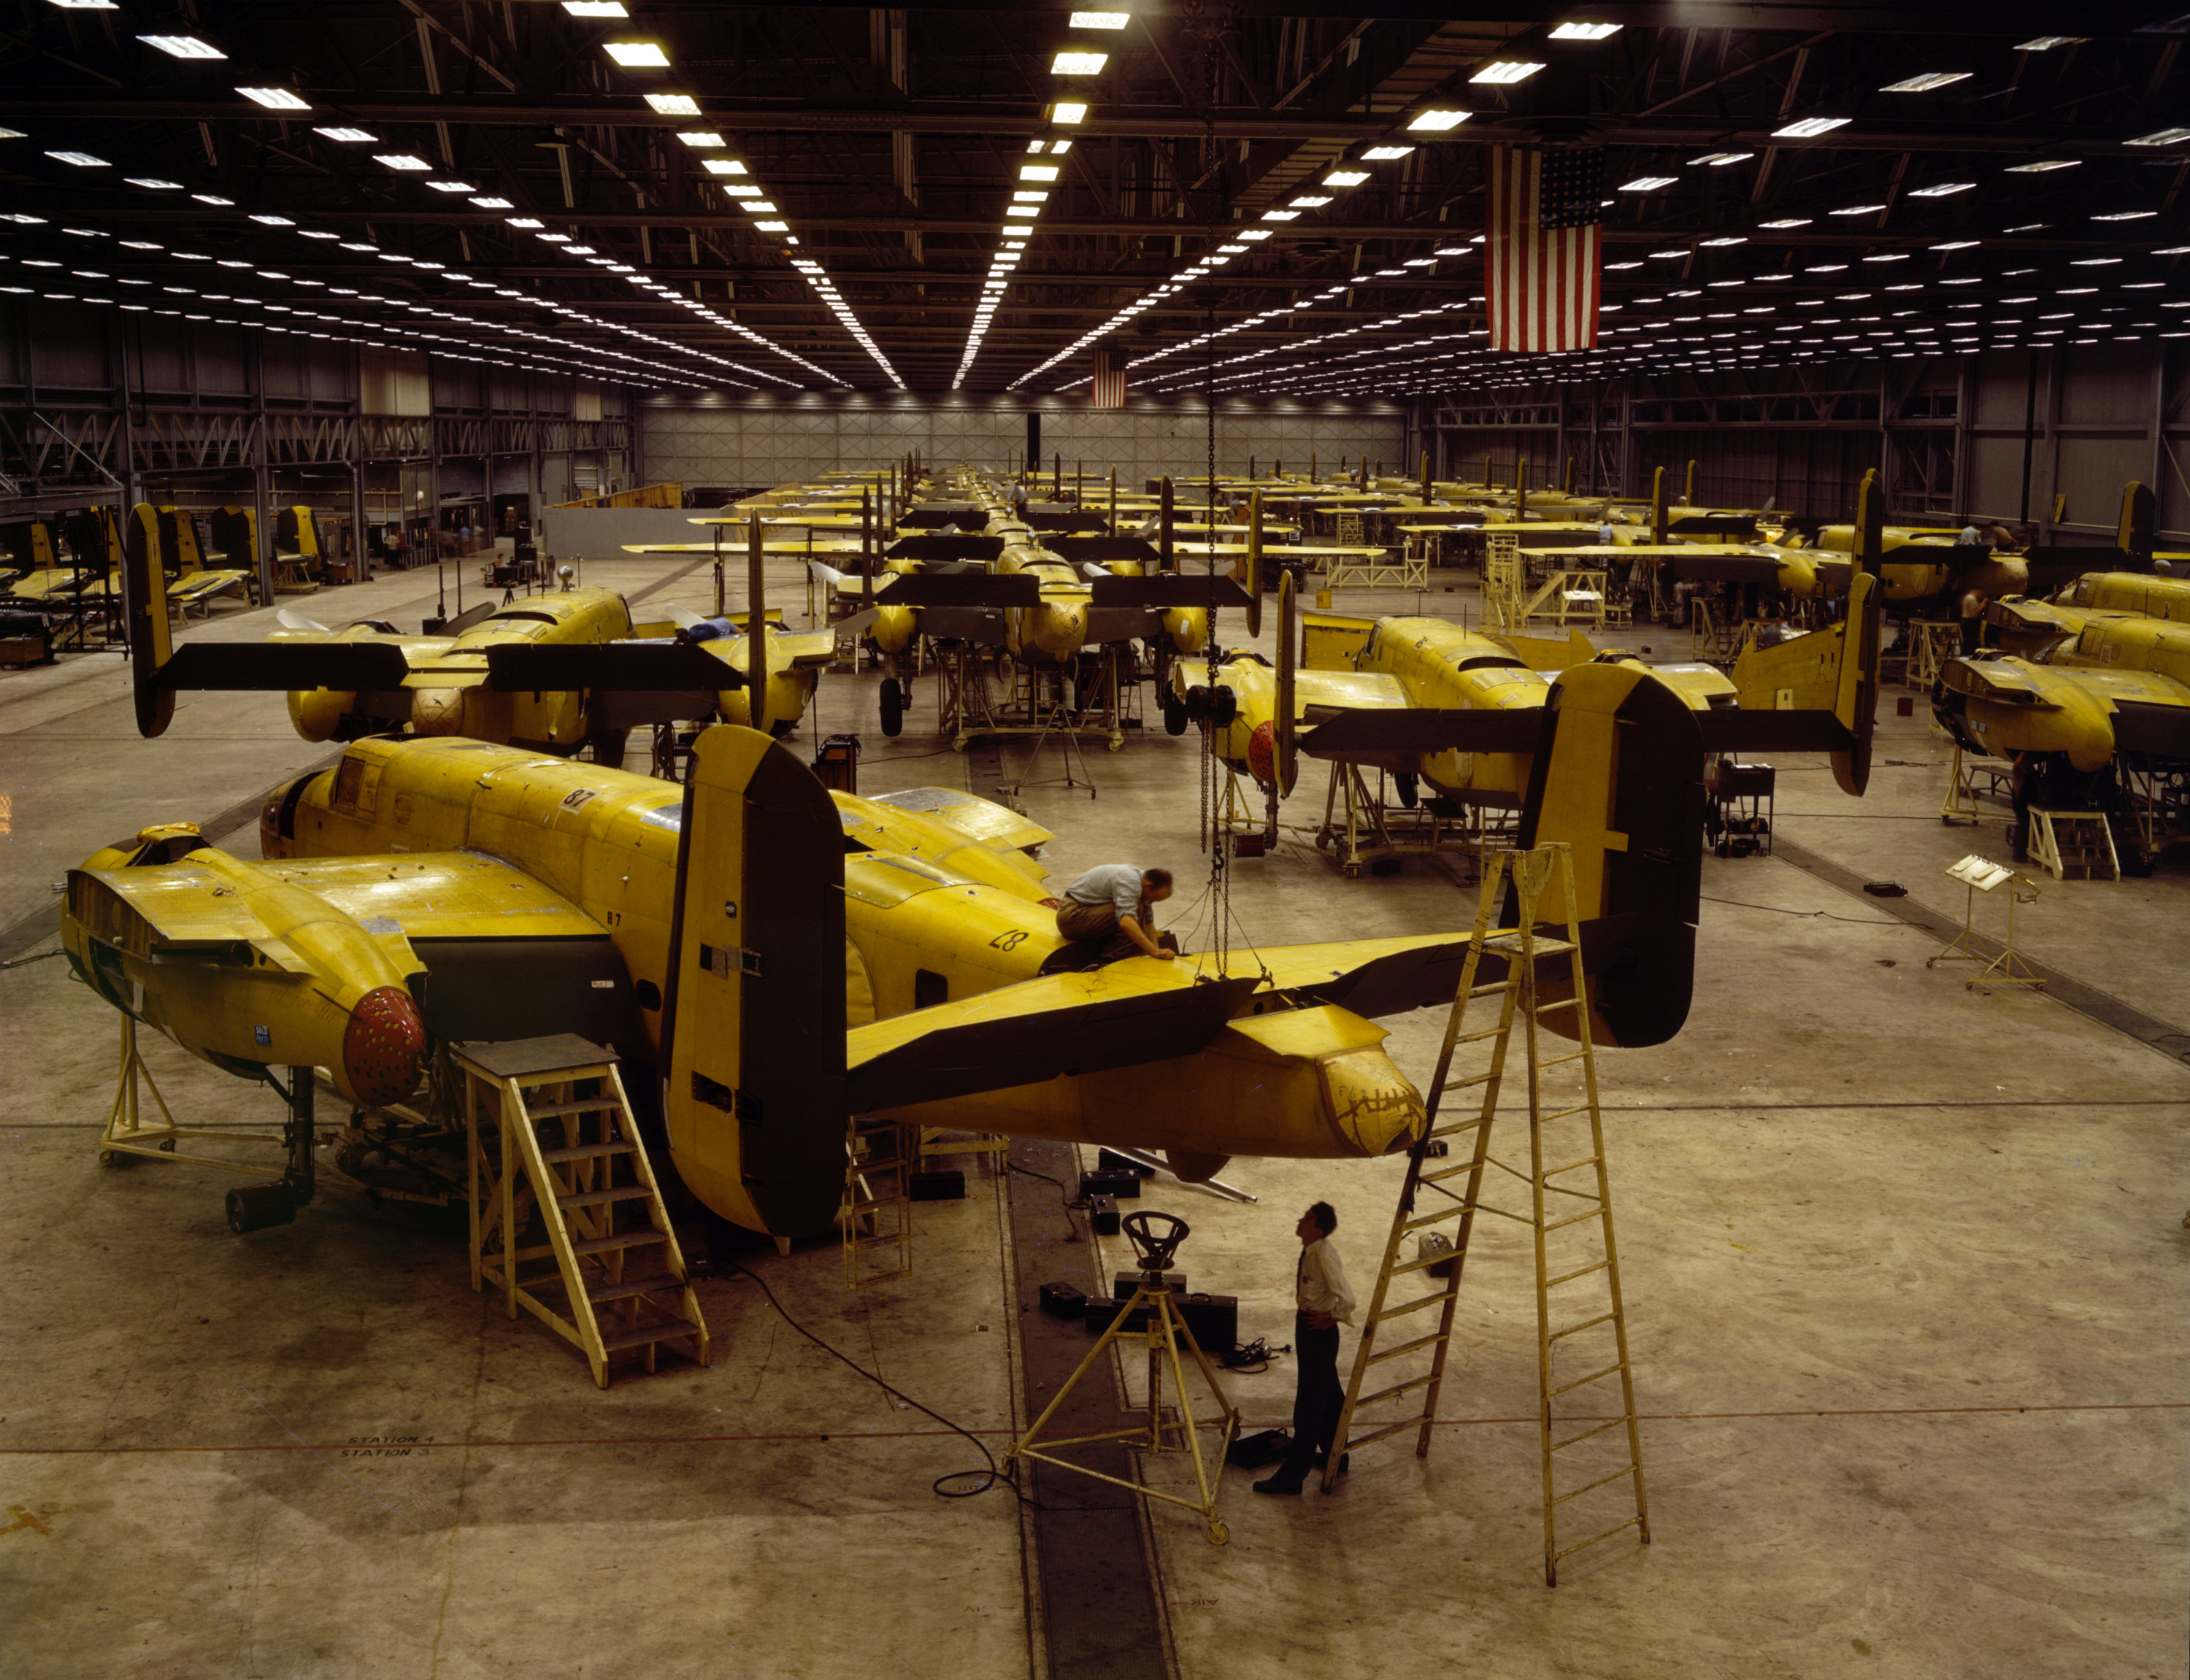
(1902, 1266)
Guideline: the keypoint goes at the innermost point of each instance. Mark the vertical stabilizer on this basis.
(752, 1048)
(2133, 535)
(1658, 507)
(144, 605)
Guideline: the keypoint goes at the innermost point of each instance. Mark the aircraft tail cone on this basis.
(384, 1050)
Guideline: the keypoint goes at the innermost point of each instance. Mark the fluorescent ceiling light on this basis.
(88, 5)
(1729, 239)
(1623, 265)
(1079, 63)
(1788, 222)
(183, 46)
(551, 239)
(760, 207)
(2043, 165)
(1857, 210)
(1311, 201)
(2040, 43)
(494, 204)
(1100, 20)
(1281, 215)
(772, 227)
(1028, 195)
(1926, 81)
(2165, 137)
(595, 9)
(742, 189)
(1955, 245)
(1648, 184)
(1944, 189)
(154, 183)
(1345, 178)
(703, 140)
(2124, 216)
(723, 166)
(1059, 148)
(350, 135)
(452, 186)
(1719, 159)
(1385, 154)
(1809, 128)
(674, 105)
(1018, 229)
(1254, 233)
(1038, 172)
(273, 220)
(1436, 121)
(274, 98)
(1067, 111)
(1502, 72)
(82, 160)
(403, 161)
(1584, 31)
(520, 222)
(637, 54)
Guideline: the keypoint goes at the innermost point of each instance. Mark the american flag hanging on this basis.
(1110, 377)
(1541, 247)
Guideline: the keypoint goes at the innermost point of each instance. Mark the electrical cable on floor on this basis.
(24, 961)
(995, 1476)
(1781, 910)
(1061, 1195)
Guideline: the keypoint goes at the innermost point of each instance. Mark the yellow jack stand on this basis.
(127, 1134)
(1165, 1330)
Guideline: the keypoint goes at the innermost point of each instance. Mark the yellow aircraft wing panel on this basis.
(185, 905)
(994, 825)
(1346, 967)
(1348, 691)
(815, 648)
(731, 549)
(441, 895)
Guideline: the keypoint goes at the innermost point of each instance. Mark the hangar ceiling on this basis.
(1270, 196)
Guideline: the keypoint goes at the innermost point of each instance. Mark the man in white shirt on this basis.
(1115, 900)
(1323, 1301)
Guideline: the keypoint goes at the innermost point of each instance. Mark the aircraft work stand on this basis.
(1368, 825)
(567, 1218)
(1589, 1451)
(1094, 696)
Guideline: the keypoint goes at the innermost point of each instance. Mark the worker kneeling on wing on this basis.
(1114, 900)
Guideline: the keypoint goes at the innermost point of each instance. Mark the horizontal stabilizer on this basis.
(609, 666)
(971, 589)
(938, 550)
(1169, 590)
(994, 1042)
(284, 667)
(1426, 731)
(1730, 730)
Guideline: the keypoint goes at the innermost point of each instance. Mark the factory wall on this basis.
(1947, 434)
(747, 441)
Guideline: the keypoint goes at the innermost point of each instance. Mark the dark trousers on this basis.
(1318, 1399)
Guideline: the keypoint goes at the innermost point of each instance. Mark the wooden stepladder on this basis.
(554, 1154)
(1571, 1221)
(877, 1214)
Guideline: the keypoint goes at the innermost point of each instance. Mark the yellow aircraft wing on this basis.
(1315, 691)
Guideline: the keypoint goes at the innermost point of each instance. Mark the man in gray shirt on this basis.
(1114, 899)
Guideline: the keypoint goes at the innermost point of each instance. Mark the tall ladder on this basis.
(1578, 1242)
(876, 1215)
(551, 1146)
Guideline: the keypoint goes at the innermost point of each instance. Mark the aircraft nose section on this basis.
(437, 712)
(1061, 629)
(384, 1050)
(1374, 1106)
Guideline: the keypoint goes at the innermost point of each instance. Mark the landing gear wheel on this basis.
(1410, 791)
(892, 705)
(1174, 715)
(260, 1205)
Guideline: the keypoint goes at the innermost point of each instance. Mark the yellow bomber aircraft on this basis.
(554, 672)
(2092, 702)
(770, 957)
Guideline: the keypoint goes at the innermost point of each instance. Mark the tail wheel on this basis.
(893, 702)
(1410, 791)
